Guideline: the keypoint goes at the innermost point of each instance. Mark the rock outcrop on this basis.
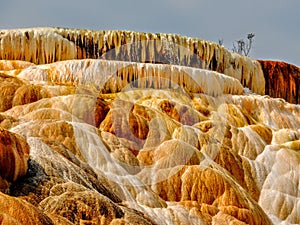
(282, 80)
(126, 140)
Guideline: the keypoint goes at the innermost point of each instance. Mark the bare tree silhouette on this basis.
(242, 46)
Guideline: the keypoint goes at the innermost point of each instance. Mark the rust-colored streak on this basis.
(282, 80)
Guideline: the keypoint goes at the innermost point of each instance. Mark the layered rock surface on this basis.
(130, 141)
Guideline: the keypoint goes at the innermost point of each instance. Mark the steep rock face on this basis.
(282, 80)
(47, 45)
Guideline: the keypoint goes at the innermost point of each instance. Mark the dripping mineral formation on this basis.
(118, 127)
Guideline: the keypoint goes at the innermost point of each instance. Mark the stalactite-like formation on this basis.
(113, 76)
(47, 45)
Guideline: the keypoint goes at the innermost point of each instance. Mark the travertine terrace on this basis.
(119, 127)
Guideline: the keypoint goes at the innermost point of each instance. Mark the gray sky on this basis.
(275, 23)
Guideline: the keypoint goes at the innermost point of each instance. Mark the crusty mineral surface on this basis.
(115, 127)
